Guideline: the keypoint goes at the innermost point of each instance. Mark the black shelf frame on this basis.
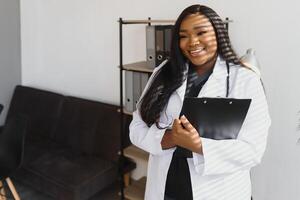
(121, 69)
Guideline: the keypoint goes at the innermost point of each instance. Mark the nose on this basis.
(194, 41)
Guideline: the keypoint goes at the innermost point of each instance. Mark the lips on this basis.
(196, 52)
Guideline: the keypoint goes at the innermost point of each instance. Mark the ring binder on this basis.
(158, 44)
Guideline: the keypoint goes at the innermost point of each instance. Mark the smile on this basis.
(197, 52)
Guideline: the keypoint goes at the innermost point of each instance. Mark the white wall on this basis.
(71, 46)
(10, 51)
(272, 28)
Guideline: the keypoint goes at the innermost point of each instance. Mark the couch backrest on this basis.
(85, 126)
(42, 107)
(89, 127)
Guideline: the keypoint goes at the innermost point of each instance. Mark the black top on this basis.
(178, 183)
(195, 82)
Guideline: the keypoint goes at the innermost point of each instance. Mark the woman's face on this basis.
(197, 39)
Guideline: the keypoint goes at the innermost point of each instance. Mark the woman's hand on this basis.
(185, 135)
(167, 141)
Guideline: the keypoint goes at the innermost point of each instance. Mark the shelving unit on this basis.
(140, 158)
(137, 188)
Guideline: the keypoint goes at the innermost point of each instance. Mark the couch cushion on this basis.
(89, 127)
(42, 107)
(65, 175)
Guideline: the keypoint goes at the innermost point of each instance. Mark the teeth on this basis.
(196, 51)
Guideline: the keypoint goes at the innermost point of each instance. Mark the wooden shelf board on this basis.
(146, 21)
(136, 190)
(125, 111)
(138, 67)
(155, 21)
(135, 152)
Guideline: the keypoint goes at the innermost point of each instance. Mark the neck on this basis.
(202, 69)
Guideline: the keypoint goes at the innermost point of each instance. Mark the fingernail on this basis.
(183, 117)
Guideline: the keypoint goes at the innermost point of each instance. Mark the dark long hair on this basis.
(173, 74)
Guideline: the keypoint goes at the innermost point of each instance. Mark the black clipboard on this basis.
(215, 118)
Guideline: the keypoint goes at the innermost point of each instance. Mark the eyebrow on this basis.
(195, 28)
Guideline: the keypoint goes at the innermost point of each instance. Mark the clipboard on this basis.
(215, 118)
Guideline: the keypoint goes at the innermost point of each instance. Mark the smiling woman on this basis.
(198, 42)
(202, 64)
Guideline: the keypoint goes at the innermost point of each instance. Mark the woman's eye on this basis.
(201, 32)
(182, 36)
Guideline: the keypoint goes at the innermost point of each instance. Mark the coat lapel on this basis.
(216, 84)
(181, 91)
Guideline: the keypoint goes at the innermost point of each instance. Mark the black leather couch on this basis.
(72, 144)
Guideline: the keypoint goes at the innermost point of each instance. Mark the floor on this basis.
(28, 193)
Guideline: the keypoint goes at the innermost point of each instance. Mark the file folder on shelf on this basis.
(158, 44)
(129, 105)
(135, 83)
(136, 87)
(144, 80)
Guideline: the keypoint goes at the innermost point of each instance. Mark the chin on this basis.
(198, 62)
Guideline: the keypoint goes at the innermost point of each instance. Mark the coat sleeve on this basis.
(147, 138)
(228, 156)
(144, 137)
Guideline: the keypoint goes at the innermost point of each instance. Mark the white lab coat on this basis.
(222, 172)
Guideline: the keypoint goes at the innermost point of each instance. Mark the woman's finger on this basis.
(186, 124)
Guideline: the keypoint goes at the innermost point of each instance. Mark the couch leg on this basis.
(2, 191)
(12, 189)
